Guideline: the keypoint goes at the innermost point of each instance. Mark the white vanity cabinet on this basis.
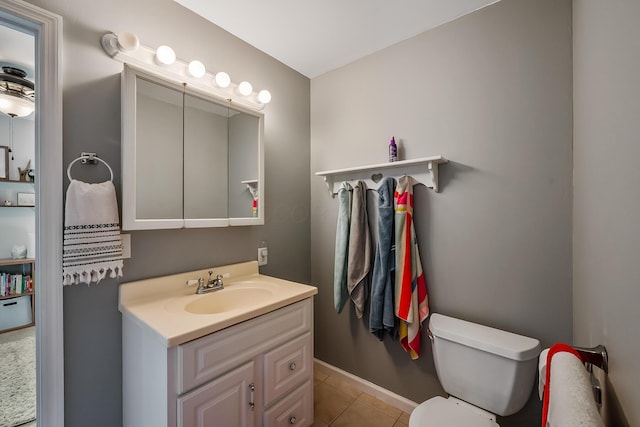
(256, 373)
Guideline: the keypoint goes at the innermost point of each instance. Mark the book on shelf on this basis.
(15, 284)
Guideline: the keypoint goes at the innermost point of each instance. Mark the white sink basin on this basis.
(228, 299)
(177, 314)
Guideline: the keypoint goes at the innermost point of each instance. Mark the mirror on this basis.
(188, 159)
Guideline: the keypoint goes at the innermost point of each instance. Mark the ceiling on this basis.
(314, 37)
(18, 50)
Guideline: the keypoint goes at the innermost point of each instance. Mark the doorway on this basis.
(46, 30)
(17, 228)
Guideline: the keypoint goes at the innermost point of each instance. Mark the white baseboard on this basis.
(370, 388)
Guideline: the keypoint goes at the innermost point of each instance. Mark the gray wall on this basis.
(91, 94)
(606, 194)
(491, 92)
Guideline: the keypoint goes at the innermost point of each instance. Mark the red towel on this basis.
(412, 306)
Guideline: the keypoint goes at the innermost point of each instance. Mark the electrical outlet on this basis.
(263, 255)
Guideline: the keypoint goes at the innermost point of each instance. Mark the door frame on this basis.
(46, 27)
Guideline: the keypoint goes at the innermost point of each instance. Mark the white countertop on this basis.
(159, 303)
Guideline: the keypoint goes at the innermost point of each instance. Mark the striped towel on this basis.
(92, 245)
(411, 305)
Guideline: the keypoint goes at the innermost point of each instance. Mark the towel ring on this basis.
(89, 158)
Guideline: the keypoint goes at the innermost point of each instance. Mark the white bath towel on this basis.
(92, 243)
(569, 401)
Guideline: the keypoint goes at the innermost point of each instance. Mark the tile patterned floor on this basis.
(338, 404)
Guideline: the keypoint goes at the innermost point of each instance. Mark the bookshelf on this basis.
(24, 267)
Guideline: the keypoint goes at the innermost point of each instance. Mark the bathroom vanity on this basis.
(242, 356)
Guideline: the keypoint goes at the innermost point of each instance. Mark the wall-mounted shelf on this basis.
(252, 186)
(14, 181)
(423, 170)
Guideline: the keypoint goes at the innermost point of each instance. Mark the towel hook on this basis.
(89, 158)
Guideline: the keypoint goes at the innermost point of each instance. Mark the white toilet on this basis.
(485, 371)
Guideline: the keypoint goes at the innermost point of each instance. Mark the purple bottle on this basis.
(393, 150)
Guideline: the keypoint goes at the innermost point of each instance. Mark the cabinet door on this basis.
(224, 402)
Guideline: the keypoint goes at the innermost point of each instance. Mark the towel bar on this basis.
(594, 356)
(90, 159)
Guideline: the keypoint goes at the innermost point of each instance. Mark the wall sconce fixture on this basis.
(162, 62)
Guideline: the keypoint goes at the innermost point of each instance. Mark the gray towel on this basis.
(340, 294)
(382, 316)
(359, 257)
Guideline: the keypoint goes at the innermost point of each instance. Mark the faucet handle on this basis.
(192, 282)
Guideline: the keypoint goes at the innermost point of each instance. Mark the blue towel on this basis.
(382, 315)
(340, 294)
(359, 257)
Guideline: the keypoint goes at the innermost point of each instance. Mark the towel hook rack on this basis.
(90, 159)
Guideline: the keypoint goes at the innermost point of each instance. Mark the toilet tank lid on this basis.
(485, 338)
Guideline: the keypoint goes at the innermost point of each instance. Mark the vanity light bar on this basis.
(162, 62)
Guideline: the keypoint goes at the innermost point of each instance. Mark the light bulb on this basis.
(264, 96)
(196, 69)
(245, 88)
(222, 79)
(165, 55)
(128, 41)
(113, 43)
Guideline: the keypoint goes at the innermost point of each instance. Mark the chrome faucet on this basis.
(212, 284)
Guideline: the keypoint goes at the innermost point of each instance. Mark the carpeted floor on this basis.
(17, 378)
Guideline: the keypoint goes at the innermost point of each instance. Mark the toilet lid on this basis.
(441, 412)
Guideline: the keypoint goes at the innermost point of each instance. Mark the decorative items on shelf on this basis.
(26, 199)
(4, 163)
(18, 251)
(393, 150)
(23, 172)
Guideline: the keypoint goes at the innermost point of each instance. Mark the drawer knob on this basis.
(292, 367)
(292, 420)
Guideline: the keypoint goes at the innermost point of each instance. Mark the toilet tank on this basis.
(489, 368)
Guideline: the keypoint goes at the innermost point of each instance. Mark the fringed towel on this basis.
(340, 294)
(382, 315)
(359, 257)
(411, 303)
(92, 243)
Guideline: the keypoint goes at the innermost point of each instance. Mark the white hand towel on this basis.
(92, 244)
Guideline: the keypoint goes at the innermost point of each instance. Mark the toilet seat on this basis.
(441, 412)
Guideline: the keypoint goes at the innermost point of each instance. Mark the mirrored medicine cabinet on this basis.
(189, 160)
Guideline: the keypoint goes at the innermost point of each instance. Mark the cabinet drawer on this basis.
(286, 367)
(208, 357)
(15, 312)
(294, 410)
